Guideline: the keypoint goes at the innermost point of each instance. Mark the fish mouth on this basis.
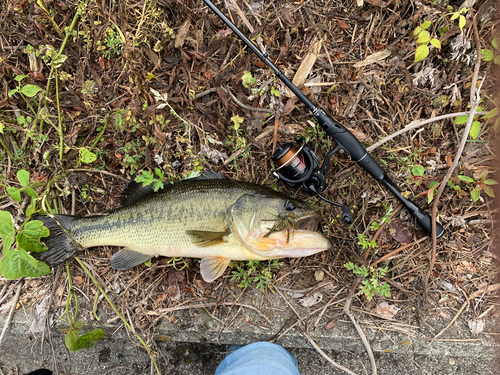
(309, 221)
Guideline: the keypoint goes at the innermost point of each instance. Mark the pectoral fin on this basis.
(126, 258)
(213, 267)
(206, 239)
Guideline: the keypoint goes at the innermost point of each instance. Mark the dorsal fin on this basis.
(210, 174)
(135, 190)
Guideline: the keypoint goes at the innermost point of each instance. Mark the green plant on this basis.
(423, 40)
(365, 243)
(113, 43)
(247, 79)
(255, 272)
(460, 16)
(17, 262)
(476, 124)
(74, 341)
(148, 178)
(488, 54)
(376, 226)
(482, 185)
(371, 284)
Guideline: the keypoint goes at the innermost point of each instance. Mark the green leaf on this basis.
(417, 30)
(461, 22)
(30, 90)
(18, 263)
(418, 170)
(455, 16)
(72, 335)
(495, 43)
(13, 91)
(426, 24)
(491, 113)
(7, 231)
(31, 208)
(436, 43)
(58, 60)
(19, 78)
(465, 178)
(489, 191)
(475, 194)
(487, 54)
(31, 192)
(29, 238)
(87, 156)
(423, 37)
(23, 177)
(475, 129)
(14, 193)
(496, 60)
(421, 53)
(461, 120)
(490, 182)
(89, 339)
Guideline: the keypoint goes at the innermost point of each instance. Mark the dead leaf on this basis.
(78, 280)
(42, 309)
(448, 160)
(330, 324)
(289, 106)
(398, 233)
(343, 25)
(288, 17)
(311, 300)
(319, 275)
(377, 56)
(223, 34)
(476, 326)
(379, 3)
(306, 66)
(159, 135)
(386, 311)
(182, 33)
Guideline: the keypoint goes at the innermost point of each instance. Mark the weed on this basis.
(255, 272)
(376, 226)
(365, 243)
(482, 185)
(371, 284)
(423, 40)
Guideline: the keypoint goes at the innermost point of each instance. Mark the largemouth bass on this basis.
(215, 219)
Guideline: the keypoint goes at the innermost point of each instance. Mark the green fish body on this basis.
(217, 220)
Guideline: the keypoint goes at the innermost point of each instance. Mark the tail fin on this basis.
(60, 243)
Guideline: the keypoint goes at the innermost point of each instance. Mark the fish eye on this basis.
(290, 206)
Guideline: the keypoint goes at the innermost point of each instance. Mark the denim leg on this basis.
(259, 358)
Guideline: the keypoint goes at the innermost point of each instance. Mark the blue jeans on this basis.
(259, 358)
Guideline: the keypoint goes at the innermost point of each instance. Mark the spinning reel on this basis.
(300, 167)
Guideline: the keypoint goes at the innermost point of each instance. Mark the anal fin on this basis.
(126, 258)
(206, 239)
(213, 267)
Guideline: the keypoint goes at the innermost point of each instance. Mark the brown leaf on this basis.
(78, 280)
(208, 74)
(448, 160)
(174, 292)
(223, 95)
(343, 25)
(386, 311)
(288, 17)
(159, 135)
(330, 324)
(223, 34)
(289, 106)
(398, 233)
(380, 3)
(182, 33)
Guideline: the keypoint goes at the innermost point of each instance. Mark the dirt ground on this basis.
(94, 93)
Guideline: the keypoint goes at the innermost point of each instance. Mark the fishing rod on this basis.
(301, 167)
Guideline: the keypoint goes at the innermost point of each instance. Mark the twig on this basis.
(7, 294)
(417, 125)
(315, 346)
(488, 289)
(392, 253)
(347, 307)
(265, 133)
(98, 171)
(11, 312)
(324, 355)
(474, 101)
(235, 99)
